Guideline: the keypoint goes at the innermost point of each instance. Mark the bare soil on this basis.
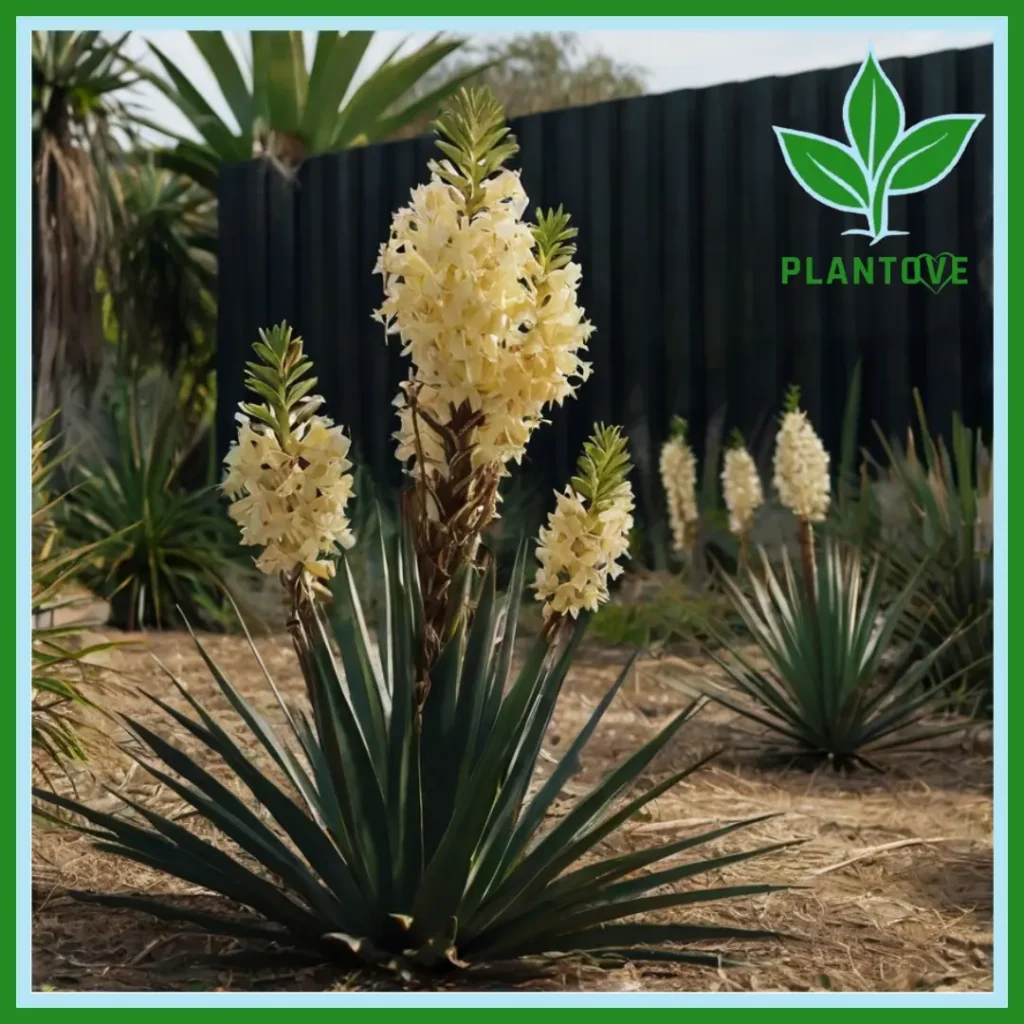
(894, 873)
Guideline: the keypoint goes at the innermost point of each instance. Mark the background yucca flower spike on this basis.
(588, 532)
(741, 489)
(678, 466)
(802, 477)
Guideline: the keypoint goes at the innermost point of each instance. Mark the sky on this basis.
(672, 59)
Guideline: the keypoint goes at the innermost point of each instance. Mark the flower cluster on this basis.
(741, 487)
(588, 531)
(291, 503)
(801, 468)
(679, 478)
(288, 472)
(579, 552)
(490, 319)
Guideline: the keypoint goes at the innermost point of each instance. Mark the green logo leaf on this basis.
(883, 159)
(873, 115)
(928, 152)
(826, 169)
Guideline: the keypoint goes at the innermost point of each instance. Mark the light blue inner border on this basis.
(27, 998)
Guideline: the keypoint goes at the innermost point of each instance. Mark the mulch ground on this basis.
(894, 873)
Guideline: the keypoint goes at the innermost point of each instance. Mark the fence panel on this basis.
(685, 208)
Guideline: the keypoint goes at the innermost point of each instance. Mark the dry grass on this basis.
(895, 869)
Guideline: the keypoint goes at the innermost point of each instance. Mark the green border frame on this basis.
(76, 15)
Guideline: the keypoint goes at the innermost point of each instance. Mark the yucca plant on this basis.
(949, 501)
(287, 109)
(824, 690)
(174, 547)
(395, 819)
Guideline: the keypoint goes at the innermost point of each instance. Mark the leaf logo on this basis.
(884, 158)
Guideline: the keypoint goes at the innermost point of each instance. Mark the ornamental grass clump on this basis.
(394, 819)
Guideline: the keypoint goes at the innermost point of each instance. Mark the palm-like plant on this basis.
(78, 83)
(824, 692)
(287, 110)
(164, 278)
(949, 497)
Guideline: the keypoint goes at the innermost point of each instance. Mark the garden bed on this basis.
(896, 868)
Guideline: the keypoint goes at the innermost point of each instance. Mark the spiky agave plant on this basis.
(824, 693)
(396, 820)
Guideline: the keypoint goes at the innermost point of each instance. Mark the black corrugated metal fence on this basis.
(685, 208)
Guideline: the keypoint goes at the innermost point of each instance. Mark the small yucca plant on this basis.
(824, 693)
(399, 825)
(949, 496)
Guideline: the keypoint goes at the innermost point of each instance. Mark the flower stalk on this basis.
(802, 480)
(588, 532)
(485, 304)
(678, 466)
(741, 488)
(288, 472)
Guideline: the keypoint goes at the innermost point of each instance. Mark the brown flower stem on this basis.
(808, 565)
(447, 514)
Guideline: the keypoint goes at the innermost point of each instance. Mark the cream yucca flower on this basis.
(741, 488)
(486, 306)
(801, 465)
(588, 531)
(288, 470)
(678, 467)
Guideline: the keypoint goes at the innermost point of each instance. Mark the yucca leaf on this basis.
(528, 931)
(229, 814)
(335, 63)
(198, 862)
(221, 61)
(366, 688)
(215, 924)
(356, 783)
(502, 661)
(437, 726)
(303, 831)
(609, 870)
(190, 102)
(445, 874)
(574, 835)
(634, 934)
(430, 103)
(384, 88)
(282, 73)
